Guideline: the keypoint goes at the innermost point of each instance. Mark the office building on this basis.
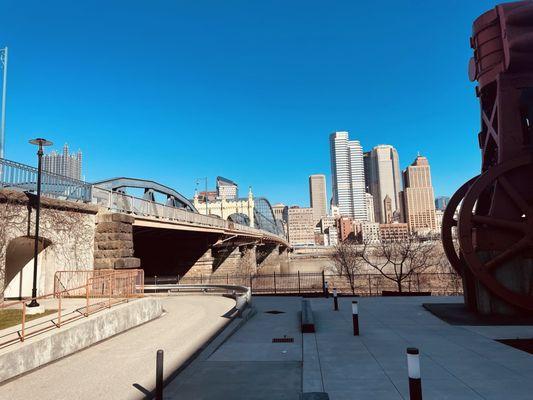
(369, 232)
(317, 196)
(281, 212)
(394, 231)
(227, 189)
(65, 164)
(441, 202)
(301, 226)
(348, 177)
(418, 199)
(382, 176)
(370, 212)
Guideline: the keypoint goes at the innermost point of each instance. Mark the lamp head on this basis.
(41, 142)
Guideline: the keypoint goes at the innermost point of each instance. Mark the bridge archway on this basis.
(264, 217)
(239, 218)
(19, 266)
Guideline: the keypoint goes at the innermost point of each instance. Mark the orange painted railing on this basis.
(101, 289)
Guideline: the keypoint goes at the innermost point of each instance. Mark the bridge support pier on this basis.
(113, 242)
(226, 260)
(248, 261)
(284, 260)
(268, 259)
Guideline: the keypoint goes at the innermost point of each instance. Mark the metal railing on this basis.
(242, 294)
(99, 290)
(20, 176)
(24, 177)
(369, 284)
(125, 203)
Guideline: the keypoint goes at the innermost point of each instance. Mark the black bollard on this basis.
(335, 301)
(355, 318)
(159, 375)
(413, 369)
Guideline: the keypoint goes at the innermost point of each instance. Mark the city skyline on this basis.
(213, 97)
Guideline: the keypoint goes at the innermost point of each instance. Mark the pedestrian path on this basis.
(123, 367)
(249, 365)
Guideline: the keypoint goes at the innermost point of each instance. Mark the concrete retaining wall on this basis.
(73, 337)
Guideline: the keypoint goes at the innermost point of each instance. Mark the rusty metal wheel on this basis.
(514, 234)
(449, 222)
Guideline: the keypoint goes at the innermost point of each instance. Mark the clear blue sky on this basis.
(175, 90)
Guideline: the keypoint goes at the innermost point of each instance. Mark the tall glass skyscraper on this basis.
(348, 175)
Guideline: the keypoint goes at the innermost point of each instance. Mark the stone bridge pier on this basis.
(268, 259)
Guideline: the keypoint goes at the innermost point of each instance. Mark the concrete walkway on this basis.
(249, 365)
(456, 362)
(123, 367)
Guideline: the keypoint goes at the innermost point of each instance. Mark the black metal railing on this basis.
(369, 284)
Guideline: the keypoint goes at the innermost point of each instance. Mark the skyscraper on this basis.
(418, 198)
(382, 176)
(441, 202)
(348, 177)
(63, 164)
(317, 196)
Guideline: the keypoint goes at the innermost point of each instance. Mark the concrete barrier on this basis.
(308, 321)
(68, 339)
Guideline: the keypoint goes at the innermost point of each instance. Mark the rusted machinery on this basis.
(487, 228)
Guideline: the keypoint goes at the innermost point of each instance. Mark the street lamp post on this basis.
(41, 143)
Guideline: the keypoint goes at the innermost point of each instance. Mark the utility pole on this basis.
(3, 61)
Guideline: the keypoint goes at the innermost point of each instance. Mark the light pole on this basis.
(3, 62)
(41, 143)
(205, 194)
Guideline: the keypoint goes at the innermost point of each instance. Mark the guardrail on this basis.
(21, 176)
(242, 294)
(125, 203)
(101, 290)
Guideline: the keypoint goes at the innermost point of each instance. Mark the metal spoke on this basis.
(508, 254)
(513, 194)
(499, 223)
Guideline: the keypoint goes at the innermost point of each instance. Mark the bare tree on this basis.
(399, 259)
(347, 261)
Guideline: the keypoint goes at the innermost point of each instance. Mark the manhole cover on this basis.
(283, 340)
(274, 312)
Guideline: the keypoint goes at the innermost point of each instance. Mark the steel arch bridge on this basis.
(174, 198)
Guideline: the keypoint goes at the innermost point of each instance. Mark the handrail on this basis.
(121, 202)
(100, 291)
(14, 174)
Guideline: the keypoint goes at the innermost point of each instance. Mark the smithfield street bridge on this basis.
(130, 223)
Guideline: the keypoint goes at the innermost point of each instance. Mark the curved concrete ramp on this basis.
(123, 367)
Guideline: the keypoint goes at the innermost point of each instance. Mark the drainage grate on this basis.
(274, 312)
(284, 339)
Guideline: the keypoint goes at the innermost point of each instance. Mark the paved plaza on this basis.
(457, 362)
